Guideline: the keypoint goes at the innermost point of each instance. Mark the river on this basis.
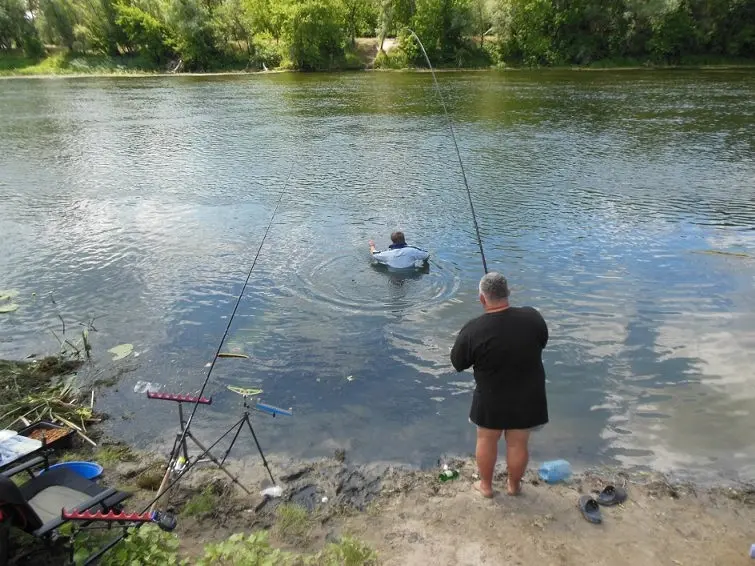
(620, 204)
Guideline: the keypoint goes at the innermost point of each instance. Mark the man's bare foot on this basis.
(485, 493)
(511, 490)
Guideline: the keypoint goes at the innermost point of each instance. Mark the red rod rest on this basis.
(179, 398)
(109, 516)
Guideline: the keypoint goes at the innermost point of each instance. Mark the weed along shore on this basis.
(334, 512)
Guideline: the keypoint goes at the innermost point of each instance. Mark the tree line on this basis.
(322, 34)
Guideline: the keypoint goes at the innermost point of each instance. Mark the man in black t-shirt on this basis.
(505, 347)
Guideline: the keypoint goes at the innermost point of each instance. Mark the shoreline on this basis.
(404, 514)
(399, 514)
(493, 69)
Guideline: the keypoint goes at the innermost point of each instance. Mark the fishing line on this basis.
(230, 321)
(456, 145)
(235, 308)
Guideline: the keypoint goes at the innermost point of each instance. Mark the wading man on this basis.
(399, 254)
(504, 346)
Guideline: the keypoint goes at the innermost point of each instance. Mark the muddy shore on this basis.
(411, 518)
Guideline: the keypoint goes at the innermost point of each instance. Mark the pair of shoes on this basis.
(590, 506)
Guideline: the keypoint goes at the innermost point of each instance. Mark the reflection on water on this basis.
(142, 202)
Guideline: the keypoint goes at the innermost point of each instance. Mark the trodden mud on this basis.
(411, 518)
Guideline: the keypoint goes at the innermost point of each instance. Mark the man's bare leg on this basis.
(517, 457)
(487, 454)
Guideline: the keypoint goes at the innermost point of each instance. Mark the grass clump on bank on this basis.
(203, 503)
(292, 523)
(42, 390)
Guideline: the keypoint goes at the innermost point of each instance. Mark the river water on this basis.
(620, 204)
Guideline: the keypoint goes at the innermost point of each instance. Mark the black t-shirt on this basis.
(505, 348)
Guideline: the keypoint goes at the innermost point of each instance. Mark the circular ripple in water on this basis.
(351, 283)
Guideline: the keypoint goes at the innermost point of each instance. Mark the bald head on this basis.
(494, 290)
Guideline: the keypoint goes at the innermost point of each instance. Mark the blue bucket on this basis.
(88, 470)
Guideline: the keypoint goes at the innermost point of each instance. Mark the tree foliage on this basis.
(17, 31)
(584, 31)
(317, 34)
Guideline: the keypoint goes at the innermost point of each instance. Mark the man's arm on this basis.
(461, 353)
(378, 255)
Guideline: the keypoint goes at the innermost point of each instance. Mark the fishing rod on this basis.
(185, 428)
(235, 308)
(456, 145)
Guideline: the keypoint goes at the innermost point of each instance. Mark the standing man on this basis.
(399, 254)
(505, 347)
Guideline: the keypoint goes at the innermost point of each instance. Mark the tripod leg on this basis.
(218, 464)
(235, 436)
(165, 488)
(264, 462)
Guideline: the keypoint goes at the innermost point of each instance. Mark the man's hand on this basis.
(372, 246)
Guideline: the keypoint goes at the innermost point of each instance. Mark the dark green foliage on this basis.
(17, 31)
(191, 23)
(315, 34)
(540, 32)
(144, 33)
(322, 34)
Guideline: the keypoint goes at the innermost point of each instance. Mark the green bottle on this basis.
(448, 475)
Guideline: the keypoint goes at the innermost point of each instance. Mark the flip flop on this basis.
(612, 496)
(590, 509)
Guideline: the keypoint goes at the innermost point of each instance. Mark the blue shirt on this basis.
(401, 256)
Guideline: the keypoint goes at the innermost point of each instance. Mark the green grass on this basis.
(349, 552)
(113, 454)
(203, 503)
(67, 63)
(292, 522)
(150, 479)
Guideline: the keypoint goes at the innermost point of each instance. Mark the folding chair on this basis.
(36, 506)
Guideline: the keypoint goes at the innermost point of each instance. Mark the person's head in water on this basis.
(494, 292)
(398, 237)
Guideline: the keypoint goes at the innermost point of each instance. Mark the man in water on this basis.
(505, 347)
(399, 255)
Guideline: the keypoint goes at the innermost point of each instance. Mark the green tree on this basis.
(526, 31)
(17, 31)
(314, 34)
(235, 25)
(58, 22)
(144, 33)
(360, 16)
(270, 16)
(480, 12)
(440, 25)
(674, 33)
(190, 22)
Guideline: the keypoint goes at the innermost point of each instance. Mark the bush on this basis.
(147, 545)
(267, 52)
(396, 59)
(254, 550)
(145, 33)
(195, 39)
(315, 35)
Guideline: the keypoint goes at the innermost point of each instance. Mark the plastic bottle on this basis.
(554, 471)
(447, 474)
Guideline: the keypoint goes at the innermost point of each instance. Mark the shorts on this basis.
(532, 429)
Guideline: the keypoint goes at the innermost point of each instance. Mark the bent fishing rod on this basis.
(456, 145)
